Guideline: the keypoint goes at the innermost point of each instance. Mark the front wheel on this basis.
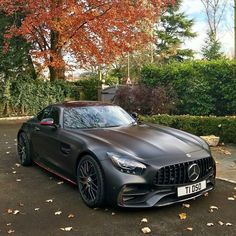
(23, 149)
(90, 181)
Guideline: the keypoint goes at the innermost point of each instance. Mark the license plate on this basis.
(190, 189)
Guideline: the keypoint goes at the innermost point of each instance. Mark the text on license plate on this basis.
(189, 189)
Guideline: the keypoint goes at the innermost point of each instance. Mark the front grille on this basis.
(178, 173)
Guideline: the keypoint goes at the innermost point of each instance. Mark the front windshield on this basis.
(96, 117)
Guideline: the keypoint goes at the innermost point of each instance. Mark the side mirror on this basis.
(47, 122)
(134, 115)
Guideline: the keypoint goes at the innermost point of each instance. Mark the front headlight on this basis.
(126, 165)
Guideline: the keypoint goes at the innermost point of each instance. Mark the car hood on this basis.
(148, 143)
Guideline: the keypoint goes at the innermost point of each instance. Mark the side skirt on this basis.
(55, 173)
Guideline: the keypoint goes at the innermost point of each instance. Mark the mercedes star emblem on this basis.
(193, 172)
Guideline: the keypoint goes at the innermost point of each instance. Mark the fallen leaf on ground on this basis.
(66, 229)
(21, 204)
(71, 216)
(206, 194)
(113, 213)
(227, 152)
(58, 213)
(7, 152)
(144, 220)
(182, 216)
(8, 224)
(36, 209)
(61, 182)
(9, 211)
(190, 229)
(220, 223)
(146, 230)
(49, 200)
(11, 231)
(16, 212)
(228, 224)
(231, 198)
(210, 224)
(214, 207)
(17, 165)
(18, 180)
(186, 205)
(234, 188)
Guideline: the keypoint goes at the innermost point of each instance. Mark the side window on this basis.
(40, 116)
(55, 115)
(43, 114)
(49, 112)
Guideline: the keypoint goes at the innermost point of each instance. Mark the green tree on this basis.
(171, 31)
(211, 50)
(14, 53)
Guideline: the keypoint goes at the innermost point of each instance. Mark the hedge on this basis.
(224, 127)
(27, 96)
(202, 87)
(89, 87)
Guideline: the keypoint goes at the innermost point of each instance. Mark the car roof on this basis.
(71, 104)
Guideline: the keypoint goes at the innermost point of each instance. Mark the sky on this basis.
(194, 10)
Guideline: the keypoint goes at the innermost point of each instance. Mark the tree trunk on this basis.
(31, 67)
(56, 49)
(56, 73)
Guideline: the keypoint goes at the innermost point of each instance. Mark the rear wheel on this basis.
(23, 149)
(90, 181)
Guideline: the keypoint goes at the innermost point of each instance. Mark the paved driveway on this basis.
(30, 197)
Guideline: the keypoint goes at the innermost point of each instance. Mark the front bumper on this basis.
(143, 191)
(150, 196)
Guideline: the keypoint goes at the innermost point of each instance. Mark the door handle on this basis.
(65, 148)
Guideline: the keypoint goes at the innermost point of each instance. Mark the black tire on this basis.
(23, 149)
(90, 181)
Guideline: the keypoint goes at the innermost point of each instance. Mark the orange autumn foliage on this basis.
(90, 31)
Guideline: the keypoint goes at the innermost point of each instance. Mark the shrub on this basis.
(27, 96)
(202, 87)
(145, 100)
(224, 127)
(90, 87)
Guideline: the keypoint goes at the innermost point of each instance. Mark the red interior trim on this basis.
(53, 172)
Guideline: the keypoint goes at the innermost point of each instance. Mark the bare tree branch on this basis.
(214, 10)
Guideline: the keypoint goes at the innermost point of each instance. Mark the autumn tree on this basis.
(85, 32)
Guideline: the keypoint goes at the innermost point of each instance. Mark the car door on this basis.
(37, 136)
(45, 139)
(52, 145)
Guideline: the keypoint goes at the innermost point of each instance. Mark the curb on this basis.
(16, 118)
(227, 180)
